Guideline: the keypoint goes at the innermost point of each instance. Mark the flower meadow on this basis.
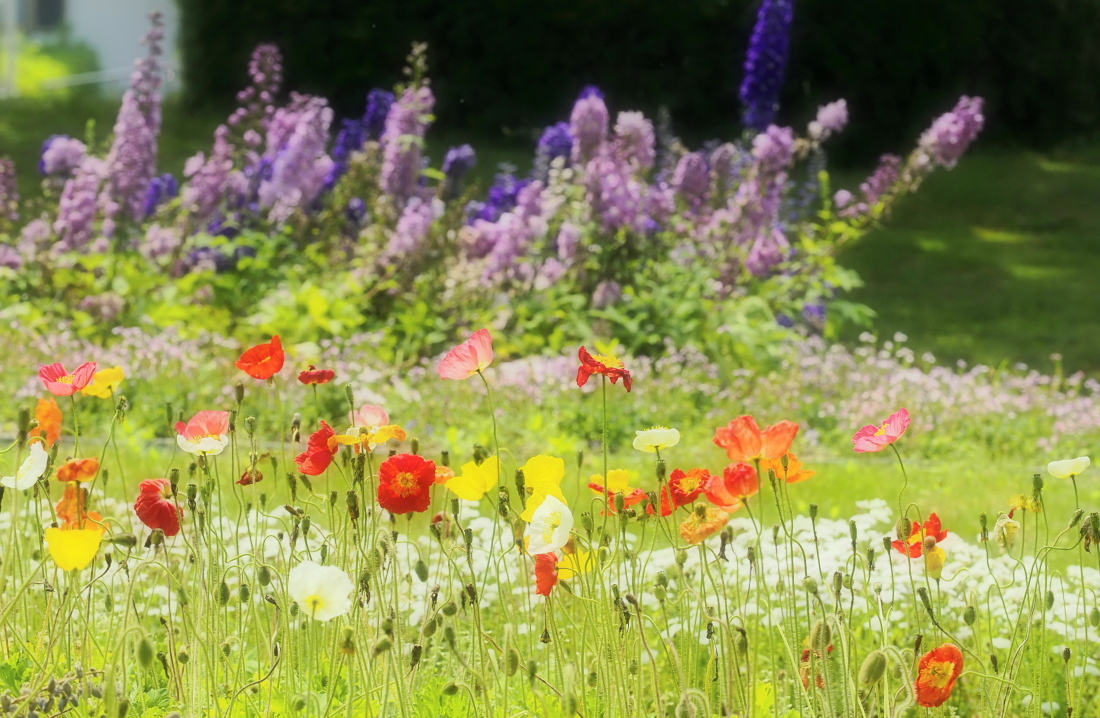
(343, 565)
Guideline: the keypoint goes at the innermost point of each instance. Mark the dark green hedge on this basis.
(514, 65)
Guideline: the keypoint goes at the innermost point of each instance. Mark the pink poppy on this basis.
(468, 358)
(370, 415)
(206, 433)
(61, 383)
(877, 438)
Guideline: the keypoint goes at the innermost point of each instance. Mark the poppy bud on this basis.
(970, 614)
(929, 543)
(512, 662)
(430, 628)
(183, 657)
(993, 661)
(521, 484)
(545, 637)
(350, 396)
(873, 668)
(414, 655)
(925, 599)
(853, 531)
(886, 544)
(480, 454)
(917, 644)
(586, 522)
(454, 507)
(250, 425)
(660, 593)
(532, 669)
(352, 499)
(750, 554)
(449, 634)
(503, 504)
(223, 593)
(903, 529)
(232, 420)
(1094, 617)
(1066, 654)
(1050, 599)
(871, 558)
(820, 636)
(421, 570)
(591, 679)
(145, 653)
(1076, 519)
(238, 392)
(347, 644)
(449, 608)
(838, 581)
(1037, 483)
(298, 704)
(450, 689)
(620, 503)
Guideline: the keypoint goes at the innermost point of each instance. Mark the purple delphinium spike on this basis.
(588, 124)
(766, 63)
(379, 103)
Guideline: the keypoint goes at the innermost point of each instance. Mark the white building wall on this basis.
(113, 28)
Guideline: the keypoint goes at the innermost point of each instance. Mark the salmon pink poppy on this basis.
(369, 415)
(936, 675)
(913, 546)
(320, 449)
(156, 509)
(743, 439)
(48, 415)
(468, 358)
(737, 483)
(546, 573)
(313, 376)
(206, 434)
(604, 365)
(262, 361)
(60, 382)
(403, 483)
(876, 438)
(702, 524)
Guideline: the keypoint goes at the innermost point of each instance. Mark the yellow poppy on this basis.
(475, 480)
(104, 383)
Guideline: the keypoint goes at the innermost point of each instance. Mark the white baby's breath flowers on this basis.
(550, 525)
(322, 592)
(30, 470)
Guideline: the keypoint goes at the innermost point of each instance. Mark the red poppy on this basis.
(262, 361)
(48, 415)
(403, 483)
(314, 375)
(936, 675)
(743, 439)
(155, 508)
(320, 449)
(682, 489)
(737, 483)
(250, 476)
(78, 470)
(608, 366)
(59, 382)
(913, 547)
(546, 573)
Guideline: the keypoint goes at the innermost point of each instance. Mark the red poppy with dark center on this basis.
(682, 489)
(913, 547)
(155, 508)
(737, 483)
(608, 366)
(546, 573)
(936, 675)
(320, 449)
(262, 361)
(314, 375)
(403, 483)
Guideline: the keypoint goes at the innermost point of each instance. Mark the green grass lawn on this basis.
(994, 261)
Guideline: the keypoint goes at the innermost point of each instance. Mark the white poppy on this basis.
(209, 445)
(1069, 467)
(655, 439)
(30, 471)
(550, 526)
(323, 592)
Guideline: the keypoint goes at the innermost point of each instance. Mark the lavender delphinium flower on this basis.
(566, 244)
(616, 196)
(76, 210)
(766, 63)
(406, 123)
(588, 125)
(256, 103)
(103, 307)
(296, 139)
(61, 155)
(411, 231)
(160, 242)
(607, 292)
(161, 189)
(556, 141)
(831, 118)
(691, 180)
(878, 186)
(951, 134)
(506, 241)
(348, 141)
(208, 178)
(635, 140)
(773, 149)
(457, 164)
(769, 249)
(131, 162)
(379, 103)
(501, 197)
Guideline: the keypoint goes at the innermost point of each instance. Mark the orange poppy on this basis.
(682, 489)
(913, 547)
(743, 439)
(262, 361)
(936, 675)
(702, 524)
(794, 472)
(48, 415)
(78, 470)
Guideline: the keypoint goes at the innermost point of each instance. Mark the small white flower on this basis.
(1069, 467)
(550, 525)
(323, 592)
(655, 439)
(210, 445)
(30, 471)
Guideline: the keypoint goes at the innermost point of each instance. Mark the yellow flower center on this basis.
(314, 603)
(67, 379)
(608, 360)
(882, 429)
(689, 483)
(938, 673)
(405, 483)
(553, 521)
